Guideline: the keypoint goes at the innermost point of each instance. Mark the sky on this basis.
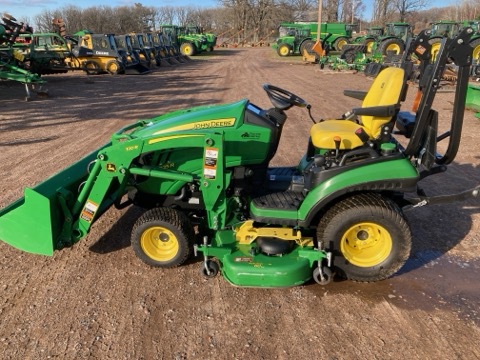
(22, 9)
(27, 9)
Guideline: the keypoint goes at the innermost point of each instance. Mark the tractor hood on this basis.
(195, 119)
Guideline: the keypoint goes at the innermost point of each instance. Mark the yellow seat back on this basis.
(385, 90)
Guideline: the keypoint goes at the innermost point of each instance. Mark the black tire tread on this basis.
(374, 204)
(173, 217)
(384, 44)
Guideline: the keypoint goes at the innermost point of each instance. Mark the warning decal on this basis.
(89, 211)
(210, 165)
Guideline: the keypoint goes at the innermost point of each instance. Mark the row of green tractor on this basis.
(295, 37)
(376, 45)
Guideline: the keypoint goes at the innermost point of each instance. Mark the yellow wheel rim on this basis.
(370, 47)
(395, 48)
(476, 52)
(112, 67)
(159, 243)
(366, 244)
(284, 50)
(341, 43)
(187, 49)
(434, 50)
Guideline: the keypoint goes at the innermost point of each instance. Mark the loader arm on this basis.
(61, 210)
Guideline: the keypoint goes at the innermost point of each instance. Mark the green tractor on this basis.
(367, 53)
(475, 44)
(211, 38)
(189, 43)
(369, 39)
(202, 175)
(394, 39)
(293, 36)
(293, 42)
(439, 30)
(47, 53)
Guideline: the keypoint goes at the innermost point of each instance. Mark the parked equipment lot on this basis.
(97, 300)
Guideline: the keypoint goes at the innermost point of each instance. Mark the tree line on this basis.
(248, 20)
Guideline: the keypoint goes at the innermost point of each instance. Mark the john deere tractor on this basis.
(373, 33)
(189, 43)
(293, 42)
(439, 30)
(295, 37)
(394, 38)
(203, 178)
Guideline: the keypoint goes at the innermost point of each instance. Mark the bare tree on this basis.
(406, 7)
(332, 10)
(43, 21)
(165, 15)
(382, 11)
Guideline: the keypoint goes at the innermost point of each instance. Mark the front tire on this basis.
(188, 49)
(163, 237)
(368, 235)
(394, 45)
(284, 50)
(435, 43)
(369, 44)
(475, 44)
(113, 67)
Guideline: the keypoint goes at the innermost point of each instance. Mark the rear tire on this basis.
(368, 235)
(163, 237)
(307, 45)
(340, 42)
(92, 68)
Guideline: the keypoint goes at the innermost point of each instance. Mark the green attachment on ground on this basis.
(11, 72)
(473, 99)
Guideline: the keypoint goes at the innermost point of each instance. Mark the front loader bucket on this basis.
(136, 68)
(39, 221)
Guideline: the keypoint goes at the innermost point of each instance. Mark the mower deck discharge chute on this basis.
(338, 210)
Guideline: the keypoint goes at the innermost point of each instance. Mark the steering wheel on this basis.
(283, 99)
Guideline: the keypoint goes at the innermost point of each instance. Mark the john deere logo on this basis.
(248, 135)
(213, 124)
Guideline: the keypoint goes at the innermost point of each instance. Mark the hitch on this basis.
(441, 199)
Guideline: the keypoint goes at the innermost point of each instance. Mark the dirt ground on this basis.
(96, 300)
